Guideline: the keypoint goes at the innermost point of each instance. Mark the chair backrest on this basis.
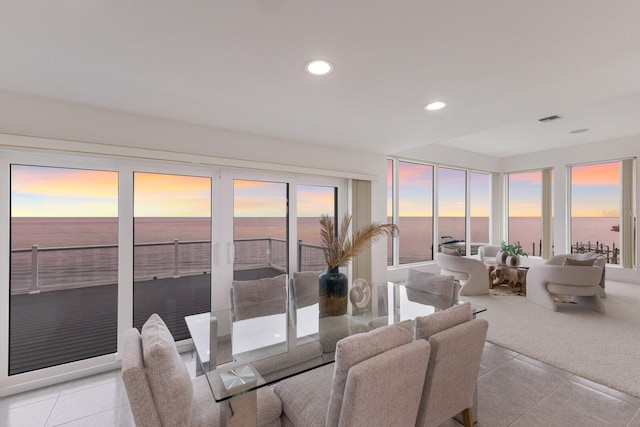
(355, 349)
(154, 358)
(445, 286)
(256, 298)
(385, 390)
(304, 288)
(488, 251)
(135, 381)
(457, 342)
(472, 273)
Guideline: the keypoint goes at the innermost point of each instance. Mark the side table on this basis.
(511, 276)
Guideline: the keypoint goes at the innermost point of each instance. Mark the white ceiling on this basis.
(239, 64)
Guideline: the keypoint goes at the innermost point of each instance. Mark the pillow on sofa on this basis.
(450, 251)
(578, 262)
(168, 377)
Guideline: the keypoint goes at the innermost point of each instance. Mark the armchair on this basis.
(580, 276)
(488, 254)
(472, 273)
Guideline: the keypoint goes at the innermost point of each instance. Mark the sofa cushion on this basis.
(450, 251)
(427, 326)
(353, 350)
(305, 397)
(167, 374)
(579, 262)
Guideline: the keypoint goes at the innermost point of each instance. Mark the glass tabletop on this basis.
(241, 350)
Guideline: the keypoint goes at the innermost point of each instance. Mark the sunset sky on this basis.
(60, 192)
(415, 187)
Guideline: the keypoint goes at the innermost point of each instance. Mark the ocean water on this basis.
(99, 265)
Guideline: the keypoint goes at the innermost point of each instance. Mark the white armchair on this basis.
(488, 253)
(579, 276)
(472, 273)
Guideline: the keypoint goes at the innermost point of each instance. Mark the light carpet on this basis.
(604, 348)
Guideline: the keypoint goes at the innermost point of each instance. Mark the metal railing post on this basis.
(269, 253)
(35, 289)
(176, 269)
(299, 255)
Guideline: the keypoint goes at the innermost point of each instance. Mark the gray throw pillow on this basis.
(577, 262)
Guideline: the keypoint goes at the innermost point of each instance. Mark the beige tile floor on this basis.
(513, 390)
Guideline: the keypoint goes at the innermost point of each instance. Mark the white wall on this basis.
(28, 122)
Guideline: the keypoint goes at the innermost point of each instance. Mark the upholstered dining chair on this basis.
(161, 391)
(445, 286)
(578, 276)
(376, 380)
(472, 273)
(257, 298)
(457, 342)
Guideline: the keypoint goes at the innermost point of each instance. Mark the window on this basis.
(64, 266)
(172, 248)
(410, 204)
(602, 213)
(525, 210)
(479, 208)
(415, 212)
(313, 201)
(452, 210)
(260, 229)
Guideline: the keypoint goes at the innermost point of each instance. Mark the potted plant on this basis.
(338, 251)
(510, 254)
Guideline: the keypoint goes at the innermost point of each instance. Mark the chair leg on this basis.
(467, 418)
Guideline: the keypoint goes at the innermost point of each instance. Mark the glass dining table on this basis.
(244, 349)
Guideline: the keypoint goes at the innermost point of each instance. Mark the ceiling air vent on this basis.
(549, 119)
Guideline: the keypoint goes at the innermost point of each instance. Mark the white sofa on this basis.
(583, 283)
(472, 273)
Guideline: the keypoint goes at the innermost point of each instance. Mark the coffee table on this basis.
(513, 277)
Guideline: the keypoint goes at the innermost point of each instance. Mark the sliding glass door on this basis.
(172, 248)
(63, 302)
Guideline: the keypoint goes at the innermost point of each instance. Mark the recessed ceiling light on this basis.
(437, 105)
(319, 67)
(579, 130)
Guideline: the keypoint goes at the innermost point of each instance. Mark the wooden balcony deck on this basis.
(63, 326)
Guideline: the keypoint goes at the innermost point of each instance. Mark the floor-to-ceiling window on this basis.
(411, 198)
(64, 266)
(260, 229)
(96, 245)
(415, 212)
(602, 210)
(313, 201)
(452, 210)
(479, 208)
(525, 210)
(172, 248)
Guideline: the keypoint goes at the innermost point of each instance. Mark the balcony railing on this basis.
(38, 269)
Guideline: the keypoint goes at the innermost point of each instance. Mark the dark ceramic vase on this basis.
(333, 289)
